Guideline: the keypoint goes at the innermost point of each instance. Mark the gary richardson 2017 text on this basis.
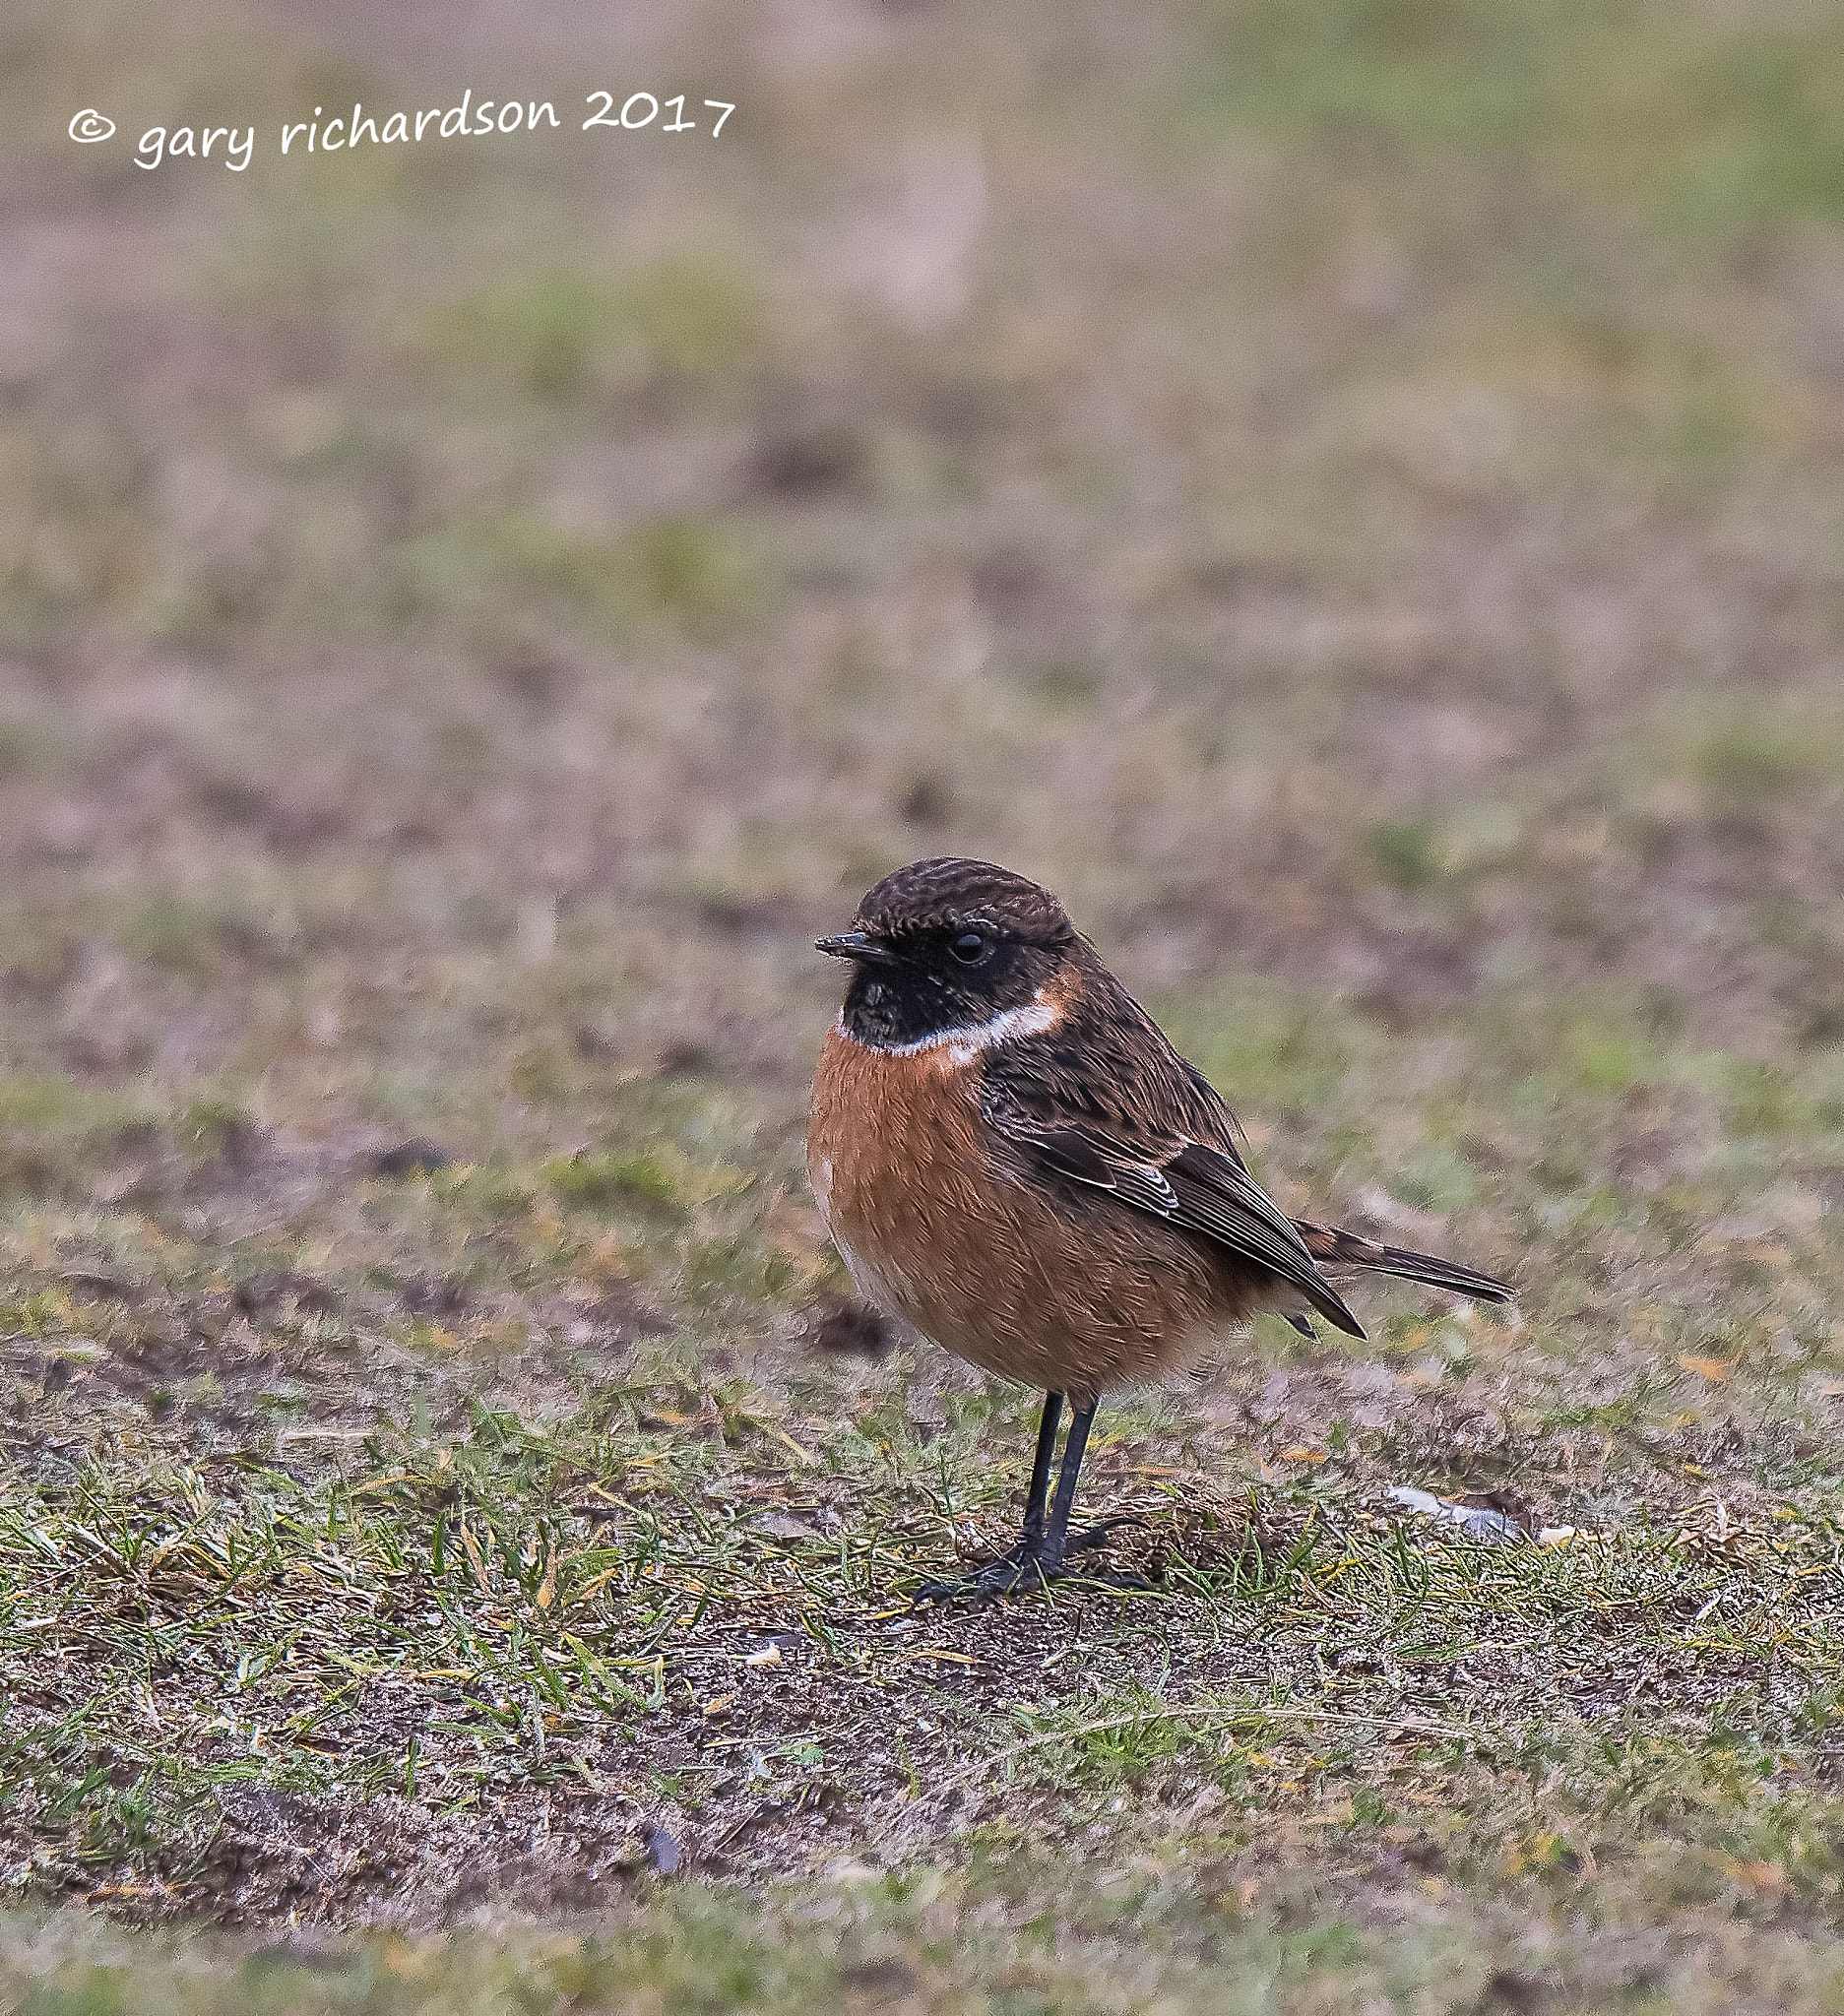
(511, 115)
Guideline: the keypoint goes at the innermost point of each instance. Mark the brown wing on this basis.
(1107, 1104)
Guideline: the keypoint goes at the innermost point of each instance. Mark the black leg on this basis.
(1041, 1552)
(1056, 1540)
(1041, 1468)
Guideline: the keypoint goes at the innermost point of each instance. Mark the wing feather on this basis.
(1196, 1187)
(1107, 1102)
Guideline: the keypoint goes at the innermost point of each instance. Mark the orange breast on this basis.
(943, 1226)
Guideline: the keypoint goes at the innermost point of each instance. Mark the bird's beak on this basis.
(858, 945)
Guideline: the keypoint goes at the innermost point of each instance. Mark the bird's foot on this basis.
(1028, 1564)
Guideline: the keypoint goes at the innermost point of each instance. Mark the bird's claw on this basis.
(1026, 1565)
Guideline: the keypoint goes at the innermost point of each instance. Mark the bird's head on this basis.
(946, 948)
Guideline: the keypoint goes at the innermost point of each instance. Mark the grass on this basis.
(236, 1689)
(1347, 493)
(936, 1942)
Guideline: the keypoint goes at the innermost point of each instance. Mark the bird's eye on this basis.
(969, 948)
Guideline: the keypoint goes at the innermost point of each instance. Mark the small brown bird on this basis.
(1011, 1156)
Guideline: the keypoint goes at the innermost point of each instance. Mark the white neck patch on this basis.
(963, 1045)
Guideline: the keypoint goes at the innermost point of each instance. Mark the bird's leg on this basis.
(1041, 1472)
(1075, 1447)
(1024, 1551)
(1058, 1542)
(1039, 1553)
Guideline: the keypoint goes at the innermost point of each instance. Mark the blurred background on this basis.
(1350, 492)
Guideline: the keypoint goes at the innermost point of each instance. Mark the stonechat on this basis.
(1010, 1156)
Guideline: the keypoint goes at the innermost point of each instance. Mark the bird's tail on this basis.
(1334, 1248)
